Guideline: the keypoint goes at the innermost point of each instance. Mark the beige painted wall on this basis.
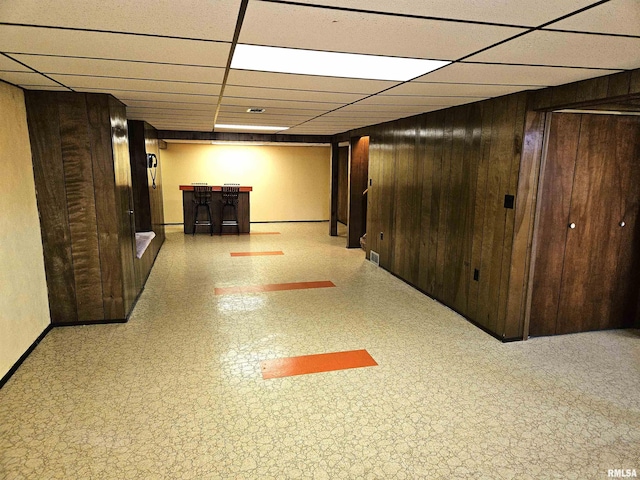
(24, 308)
(289, 182)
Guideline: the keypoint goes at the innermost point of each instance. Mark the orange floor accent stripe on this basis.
(255, 254)
(274, 287)
(323, 362)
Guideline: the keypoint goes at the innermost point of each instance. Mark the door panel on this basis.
(555, 194)
(627, 288)
(588, 274)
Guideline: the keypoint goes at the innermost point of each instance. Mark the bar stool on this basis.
(230, 202)
(202, 195)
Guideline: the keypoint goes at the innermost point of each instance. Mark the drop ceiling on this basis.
(168, 61)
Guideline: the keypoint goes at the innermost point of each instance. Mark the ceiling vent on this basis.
(255, 110)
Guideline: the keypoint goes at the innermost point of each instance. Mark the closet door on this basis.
(563, 133)
(599, 265)
(588, 254)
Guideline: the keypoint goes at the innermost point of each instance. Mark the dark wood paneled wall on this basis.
(333, 221)
(605, 90)
(358, 180)
(139, 181)
(123, 208)
(152, 144)
(147, 194)
(83, 183)
(436, 209)
(343, 184)
(43, 116)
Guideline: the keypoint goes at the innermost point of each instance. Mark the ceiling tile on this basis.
(237, 109)
(343, 31)
(176, 113)
(275, 120)
(257, 116)
(267, 103)
(202, 116)
(342, 117)
(514, 12)
(124, 95)
(27, 79)
(509, 74)
(187, 18)
(124, 69)
(566, 49)
(281, 94)
(6, 64)
(453, 90)
(307, 82)
(240, 120)
(168, 105)
(45, 41)
(399, 101)
(617, 16)
(80, 82)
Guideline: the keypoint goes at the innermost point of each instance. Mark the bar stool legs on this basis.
(230, 200)
(202, 199)
(208, 222)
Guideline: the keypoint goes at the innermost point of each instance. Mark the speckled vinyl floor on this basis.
(177, 392)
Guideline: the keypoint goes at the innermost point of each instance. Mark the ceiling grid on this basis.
(170, 62)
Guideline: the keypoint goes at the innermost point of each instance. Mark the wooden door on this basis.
(587, 255)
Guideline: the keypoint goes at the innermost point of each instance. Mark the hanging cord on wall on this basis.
(152, 164)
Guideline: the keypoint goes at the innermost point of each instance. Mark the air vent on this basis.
(374, 258)
(255, 110)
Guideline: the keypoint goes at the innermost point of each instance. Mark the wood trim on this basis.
(525, 219)
(5, 378)
(333, 222)
(216, 188)
(358, 176)
(242, 137)
(588, 92)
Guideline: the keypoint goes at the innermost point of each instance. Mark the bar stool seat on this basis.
(202, 195)
(230, 206)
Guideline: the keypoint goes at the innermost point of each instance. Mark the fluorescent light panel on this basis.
(331, 64)
(222, 126)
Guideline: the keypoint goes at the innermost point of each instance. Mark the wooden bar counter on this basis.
(188, 207)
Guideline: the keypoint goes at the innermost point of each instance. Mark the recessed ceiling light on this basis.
(255, 110)
(331, 64)
(249, 127)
